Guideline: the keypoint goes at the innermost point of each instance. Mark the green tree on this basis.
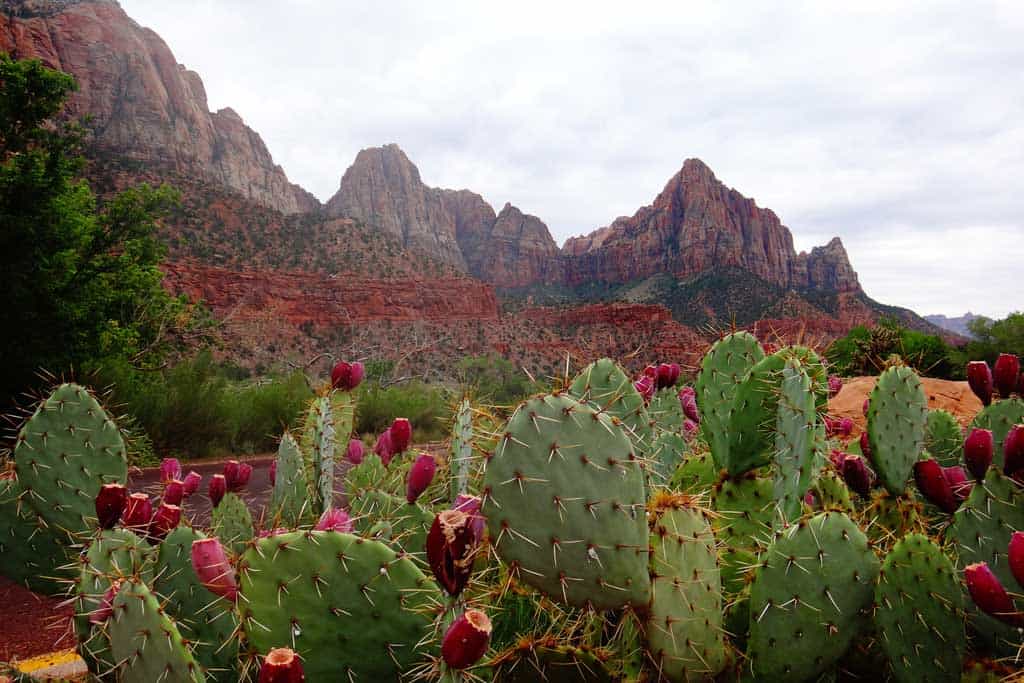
(83, 286)
(865, 350)
(992, 337)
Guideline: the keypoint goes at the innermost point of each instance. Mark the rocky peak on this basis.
(144, 105)
(826, 268)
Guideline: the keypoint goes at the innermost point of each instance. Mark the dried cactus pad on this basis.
(565, 504)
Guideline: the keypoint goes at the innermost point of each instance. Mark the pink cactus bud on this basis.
(334, 519)
(645, 387)
(170, 469)
(244, 474)
(166, 518)
(958, 482)
(110, 504)
(1005, 373)
(831, 425)
(471, 506)
(421, 474)
(192, 481)
(835, 385)
(810, 500)
(1015, 555)
(466, 640)
(401, 434)
(137, 511)
(355, 377)
(690, 429)
(216, 489)
(384, 448)
(272, 472)
(174, 492)
(355, 451)
(978, 452)
(688, 400)
(106, 606)
(865, 444)
(213, 569)
(979, 378)
(450, 548)
(230, 472)
(1013, 450)
(857, 475)
(676, 371)
(933, 484)
(865, 406)
(282, 665)
(341, 375)
(989, 595)
(846, 427)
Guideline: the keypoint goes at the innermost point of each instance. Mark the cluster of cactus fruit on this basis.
(614, 529)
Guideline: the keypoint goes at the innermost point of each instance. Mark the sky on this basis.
(897, 126)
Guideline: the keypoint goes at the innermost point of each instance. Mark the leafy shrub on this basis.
(865, 350)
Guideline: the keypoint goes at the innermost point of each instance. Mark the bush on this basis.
(495, 379)
(865, 350)
(425, 405)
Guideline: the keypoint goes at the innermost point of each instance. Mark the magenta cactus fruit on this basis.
(979, 378)
(958, 482)
(334, 519)
(836, 457)
(166, 518)
(1015, 555)
(688, 400)
(471, 506)
(451, 543)
(212, 568)
(932, 483)
(138, 511)
(835, 385)
(989, 595)
(690, 429)
(236, 474)
(356, 375)
(384, 448)
(106, 606)
(978, 452)
(282, 665)
(1013, 450)
(667, 375)
(347, 376)
(645, 387)
(216, 489)
(846, 426)
(857, 475)
(466, 640)
(272, 472)
(421, 474)
(230, 472)
(174, 492)
(355, 451)
(831, 425)
(865, 444)
(192, 481)
(170, 469)
(1005, 373)
(651, 371)
(864, 406)
(110, 504)
(401, 434)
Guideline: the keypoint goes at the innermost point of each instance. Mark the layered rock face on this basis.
(144, 105)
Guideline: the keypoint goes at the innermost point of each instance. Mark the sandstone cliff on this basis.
(144, 105)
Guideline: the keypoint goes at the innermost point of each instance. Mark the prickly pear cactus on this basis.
(407, 524)
(323, 457)
(684, 629)
(551, 663)
(919, 613)
(350, 607)
(897, 418)
(794, 440)
(343, 414)
(943, 439)
(1000, 416)
(30, 554)
(231, 522)
(697, 473)
(146, 642)
(666, 455)
(722, 371)
(66, 451)
(831, 493)
(745, 516)
(809, 597)
(204, 619)
(889, 518)
(666, 411)
(605, 385)
(565, 505)
(289, 502)
(461, 449)
(752, 418)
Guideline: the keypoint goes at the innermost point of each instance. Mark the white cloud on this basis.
(873, 121)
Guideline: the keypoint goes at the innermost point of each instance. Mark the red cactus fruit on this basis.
(466, 640)
(688, 400)
(857, 475)
(645, 386)
(282, 665)
(835, 385)
(979, 378)
(355, 378)
(236, 474)
(864, 406)
(174, 492)
(420, 475)
(989, 595)
(230, 472)
(933, 484)
(978, 452)
(355, 451)
(192, 481)
(690, 429)
(334, 519)
(836, 457)
(846, 427)
(1005, 373)
(106, 606)
(831, 425)
(170, 469)
(214, 571)
(341, 374)
(667, 376)
(865, 444)
(137, 511)
(1013, 450)
(676, 371)
(401, 434)
(651, 371)
(451, 543)
(1015, 554)
(166, 518)
(471, 506)
(110, 504)
(958, 482)
(216, 488)
(384, 448)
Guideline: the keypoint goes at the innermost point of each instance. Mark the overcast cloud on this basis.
(897, 126)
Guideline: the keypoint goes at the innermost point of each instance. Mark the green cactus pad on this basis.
(745, 517)
(146, 642)
(696, 474)
(552, 664)
(231, 522)
(981, 532)
(565, 505)
(919, 613)
(65, 453)
(461, 454)
(724, 367)
(30, 554)
(289, 502)
(204, 619)
(666, 411)
(684, 630)
(999, 417)
(832, 492)
(607, 386)
(808, 598)
(794, 440)
(343, 414)
(350, 607)
(666, 455)
(943, 439)
(897, 419)
(366, 476)
(407, 525)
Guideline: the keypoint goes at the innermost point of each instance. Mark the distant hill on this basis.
(958, 325)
